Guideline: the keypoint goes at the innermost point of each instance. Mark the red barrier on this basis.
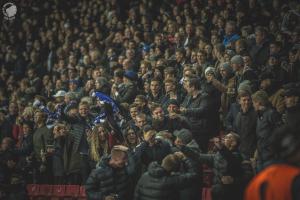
(55, 192)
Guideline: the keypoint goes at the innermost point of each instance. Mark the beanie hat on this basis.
(237, 59)
(184, 135)
(171, 163)
(245, 86)
(261, 96)
(226, 66)
(173, 102)
(131, 75)
(210, 70)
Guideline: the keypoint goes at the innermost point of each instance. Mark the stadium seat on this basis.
(32, 190)
(72, 191)
(82, 194)
(45, 191)
(58, 192)
(206, 194)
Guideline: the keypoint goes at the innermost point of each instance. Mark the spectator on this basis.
(113, 175)
(168, 183)
(268, 120)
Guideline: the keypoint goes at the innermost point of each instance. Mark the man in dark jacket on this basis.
(111, 179)
(268, 120)
(162, 122)
(200, 112)
(184, 140)
(128, 91)
(292, 104)
(245, 125)
(161, 182)
(152, 149)
(260, 50)
(226, 165)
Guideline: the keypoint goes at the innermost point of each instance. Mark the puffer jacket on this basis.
(158, 184)
(104, 181)
(268, 120)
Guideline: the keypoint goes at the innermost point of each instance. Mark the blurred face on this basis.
(13, 109)
(133, 112)
(140, 122)
(256, 105)
(158, 114)
(178, 142)
(83, 110)
(291, 101)
(230, 141)
(265, 84)
(259, 37)
(118, 159)
(169, 87)
(38, 117)
(229, 29)
(131, 136)
(26, 129)
(154, 87)
(173, 108)
(5, 144)
(178, 56)
(272, 61)
(102, 134)
(245, 103)
(223, 72)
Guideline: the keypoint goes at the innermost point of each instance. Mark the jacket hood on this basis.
(156, 170)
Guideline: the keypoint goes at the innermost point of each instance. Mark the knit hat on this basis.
(173, 102)
(171, 163)
(131, 75)
(60, 93)
(210, 70)
(226, 66)
(184, 135)
(245, 86)
(261, 96)
(237, 59)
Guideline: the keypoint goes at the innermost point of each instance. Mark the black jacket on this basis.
(224, 163)
(104, 181)
(245, 126)
(127, 93)
(201, 113)
(292, 116)
(268, 120)
(158, 184)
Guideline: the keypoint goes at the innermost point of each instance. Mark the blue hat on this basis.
(74, 81)
(131, 75)
(146, 48)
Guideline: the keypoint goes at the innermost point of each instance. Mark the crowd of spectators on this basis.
(182, 74)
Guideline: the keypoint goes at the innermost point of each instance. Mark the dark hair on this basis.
(194, 82)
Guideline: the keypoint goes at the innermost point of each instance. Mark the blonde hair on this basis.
(95, 144)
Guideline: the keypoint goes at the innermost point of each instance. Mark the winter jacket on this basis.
(158, 184)
(147, 154)
(260, 53)
(200, 113)
(41, 137)
(105, 180)
(268, 120)
(127, 93)
(224, 163)
(245, 126)
(292, 116)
